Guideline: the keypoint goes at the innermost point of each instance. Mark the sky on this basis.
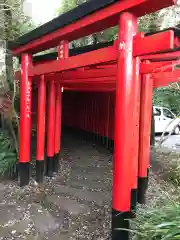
(41, 10)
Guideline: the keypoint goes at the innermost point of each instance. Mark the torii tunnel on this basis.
(104, 90)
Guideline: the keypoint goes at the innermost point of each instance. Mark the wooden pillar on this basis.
(135, 132)
(41, 130)
(122, 182)
(63, 53)
(50, 129)
(58, 120)
(25, 120)
(144, 137)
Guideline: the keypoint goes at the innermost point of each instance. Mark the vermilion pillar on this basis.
(122, 138)
(135, 132)
(63, 52)
(50, 129)
(144, 135)
(41, 130)
(58, 126)
(25, 120)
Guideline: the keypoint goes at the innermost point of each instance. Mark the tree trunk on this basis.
(9, 68)
(8, 55)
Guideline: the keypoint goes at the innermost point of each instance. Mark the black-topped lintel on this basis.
(65, 19)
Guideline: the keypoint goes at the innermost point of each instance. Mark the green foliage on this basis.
(167, 97)
(8, 156)
(161, 222)
(174, 176)
(172, 170)
(67, 5)
(110, 34)
(167, 17)
(149, 23)
(13, 21)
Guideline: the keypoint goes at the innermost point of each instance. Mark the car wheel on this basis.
(177, 130)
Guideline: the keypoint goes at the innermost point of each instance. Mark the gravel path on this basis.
(75, 204)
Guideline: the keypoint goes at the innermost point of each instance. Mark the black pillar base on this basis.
(92, 136)
(56, 163)
(133, 202)
(119, 221)
(142, 188)
(24, 174)
(111, 146)
(49, 166)
(39, 171)
(15, 174)
(101, 140)
(107, 143)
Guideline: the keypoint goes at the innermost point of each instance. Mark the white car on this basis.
(165, 120)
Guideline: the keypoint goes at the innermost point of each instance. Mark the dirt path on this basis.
(75, 204)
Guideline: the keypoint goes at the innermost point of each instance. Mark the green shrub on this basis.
(8, 156)
(162, 222)
(174, 175)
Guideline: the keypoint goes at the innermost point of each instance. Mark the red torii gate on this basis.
(132, 66)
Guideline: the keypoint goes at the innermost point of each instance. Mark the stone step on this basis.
(98, 197)
(90, 168)
(87, 176)
(87, 184)
(71, 206)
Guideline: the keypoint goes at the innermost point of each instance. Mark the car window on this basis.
(167, 113)
(157, 112)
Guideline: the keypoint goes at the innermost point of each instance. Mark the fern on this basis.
(8, 156)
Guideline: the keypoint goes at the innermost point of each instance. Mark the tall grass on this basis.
(158, 223)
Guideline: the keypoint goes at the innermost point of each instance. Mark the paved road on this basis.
(172, 143)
